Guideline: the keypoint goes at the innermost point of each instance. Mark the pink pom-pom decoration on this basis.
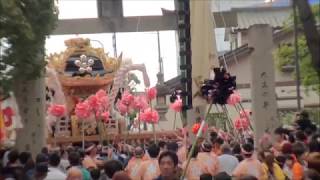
(103, 102)
(57, 110)
(155, 117)
(234, 99)
(245, 114)
(101, 93)
(127, 98)
(103, 99)
(105, 116)
(241, 123)
(151, 93)
(82, 110)
(142, 117)
(149, 116)
(140, 103)
(94, 103)
(122, 108)
(177, 105)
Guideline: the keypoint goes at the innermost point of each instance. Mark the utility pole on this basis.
(160, 74)
(296, 54)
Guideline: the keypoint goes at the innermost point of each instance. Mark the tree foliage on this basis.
(284, 56)
(24, 25)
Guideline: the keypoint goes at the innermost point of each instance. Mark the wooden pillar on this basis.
(264, 103)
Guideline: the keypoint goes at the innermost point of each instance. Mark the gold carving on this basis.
(79, 46)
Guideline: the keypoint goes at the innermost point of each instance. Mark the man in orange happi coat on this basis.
(209, 160)
(134, 166)
(150, 168)
(195, 168)
(250, 165)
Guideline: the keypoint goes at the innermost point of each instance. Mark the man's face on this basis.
(167, 167)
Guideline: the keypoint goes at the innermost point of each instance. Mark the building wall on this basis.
(286, 95)
(241, 68)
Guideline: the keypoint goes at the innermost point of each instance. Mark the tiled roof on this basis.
(235, 54)
(274, 16)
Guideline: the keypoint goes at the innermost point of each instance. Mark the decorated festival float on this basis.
(90, 97)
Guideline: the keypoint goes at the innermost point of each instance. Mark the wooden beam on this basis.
(130, 137)
(118, 24)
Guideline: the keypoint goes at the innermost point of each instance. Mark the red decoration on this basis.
(151, 93)
(196, 127)
(57, 110)
(8, 114)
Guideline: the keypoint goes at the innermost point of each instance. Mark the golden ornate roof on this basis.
(75, 48)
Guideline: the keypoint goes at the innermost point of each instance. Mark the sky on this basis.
(141, 47)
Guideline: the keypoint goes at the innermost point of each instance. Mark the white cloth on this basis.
(227, 163)
(55, 174)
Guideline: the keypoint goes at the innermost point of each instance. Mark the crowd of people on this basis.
(281, 155)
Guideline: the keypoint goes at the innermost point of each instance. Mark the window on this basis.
(146, 7)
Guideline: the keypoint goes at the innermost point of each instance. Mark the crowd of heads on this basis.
(286, 153)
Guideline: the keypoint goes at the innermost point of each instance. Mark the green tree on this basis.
(284, 56)
(24, 25)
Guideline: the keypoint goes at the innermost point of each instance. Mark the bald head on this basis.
(138, 152)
